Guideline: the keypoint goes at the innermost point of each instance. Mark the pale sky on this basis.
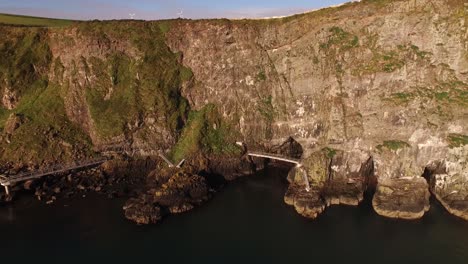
(159, 9)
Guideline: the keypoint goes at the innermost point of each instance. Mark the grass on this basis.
(393, 145)
(401, 98)
(46, 128)
(112, 114)
(25, 54)
(149, 85)
(419, 53)
(33, 21)
(205, 132)
(388, 60)
(4, 113)
(340, 39)
(26, 59)
(261, 76)
(267, 111)
(164, 26)
(457, 140)
(330, 152)
(266, 108)
(453, 93)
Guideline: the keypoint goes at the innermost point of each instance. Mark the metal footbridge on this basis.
(64, 168)
(58, 169)
(285, 159)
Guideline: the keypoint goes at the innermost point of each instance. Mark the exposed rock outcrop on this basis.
(13, 122)
(404, 198)
(170, 191)
(334, 177)
(381, 81)
(448, 181)
(9, 99)
(140, 211)
(307, 203)
(386, 80)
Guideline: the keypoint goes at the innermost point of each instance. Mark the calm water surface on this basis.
(247, 222)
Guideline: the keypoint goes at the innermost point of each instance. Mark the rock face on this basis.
(334, 178)
(449, 181)
(380, 82)
(374, 82)
(9, 99)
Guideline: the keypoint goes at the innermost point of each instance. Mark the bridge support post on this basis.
(7, 190)
(304, 175)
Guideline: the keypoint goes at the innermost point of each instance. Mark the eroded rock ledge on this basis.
(333, 179)
(449, 181)
(402, 198)
(178, 190)
(175, 191)
(395, 172)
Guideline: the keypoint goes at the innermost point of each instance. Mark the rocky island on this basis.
(370, 96)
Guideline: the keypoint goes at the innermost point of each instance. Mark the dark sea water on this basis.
(246, 222)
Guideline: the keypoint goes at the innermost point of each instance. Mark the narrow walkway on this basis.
(7, 181)
(274, 156)
(285, 159)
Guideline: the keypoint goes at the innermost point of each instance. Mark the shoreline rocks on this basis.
(406, 198)
(308, 204)
(449, 181)
(169, 191)
(141, 212)
(334, 177)
(456, 207)
(113, 178)
(338, 179)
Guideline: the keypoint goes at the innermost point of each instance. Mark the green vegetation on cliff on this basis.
(25, 57)
(393, 145)
(45, 132)
(330, 152)
(205, 132)
(122, 89)
(457, 140)
(443, 93)
(340, 38)
(33, 21)
(267, 111)
(128, 88)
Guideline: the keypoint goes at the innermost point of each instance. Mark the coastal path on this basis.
(58, 169)
(297, 162)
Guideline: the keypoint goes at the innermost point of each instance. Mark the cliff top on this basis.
(19, 20)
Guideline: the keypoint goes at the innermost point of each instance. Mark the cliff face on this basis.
(111, 84)
(377, 87)
(380, 80)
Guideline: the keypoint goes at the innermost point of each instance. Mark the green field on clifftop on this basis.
(33, 21)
